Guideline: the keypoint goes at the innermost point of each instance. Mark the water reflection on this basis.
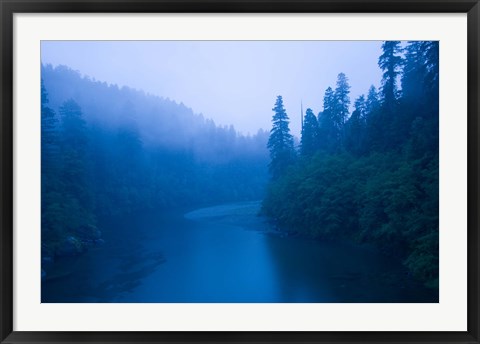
(225, 254)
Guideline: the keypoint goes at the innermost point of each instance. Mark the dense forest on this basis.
(371, 175)
(110, 151)
(364, 172)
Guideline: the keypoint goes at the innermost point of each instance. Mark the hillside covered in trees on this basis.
(146, 200)
(371, 175)
(110, 151)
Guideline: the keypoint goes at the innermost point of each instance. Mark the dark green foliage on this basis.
(355, 128)
(390, 62)
(385, 123)
(52, 230)
(414, 70)
(67, 202)
(335, 113)
(76, 173)
(375, 128)
(342, 100)
(280, 142)
(377, 199)
(316, 197)
(419, 104)
(114, 151)
(377, 182)
(49, 122)
(329, 130)
(372, 103)
(310, 132)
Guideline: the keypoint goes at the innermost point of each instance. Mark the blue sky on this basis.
(232, 82)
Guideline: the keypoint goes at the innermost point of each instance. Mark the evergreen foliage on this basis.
(355, 127)
(310, 134)
(374, 178)
(390, 62)
(371, 176)
(329, 131)
(280, 142)
(342, 101)
(108, 152)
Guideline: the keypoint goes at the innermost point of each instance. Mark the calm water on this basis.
(224, 254)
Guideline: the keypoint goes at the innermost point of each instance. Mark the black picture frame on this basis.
(9, 7)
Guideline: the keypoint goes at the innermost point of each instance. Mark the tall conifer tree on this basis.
(280, 142)
(390, 62)
(310, 139)
(342, 100)
(330, 122)
(355, 127)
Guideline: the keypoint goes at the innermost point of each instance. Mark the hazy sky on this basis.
(232, 82)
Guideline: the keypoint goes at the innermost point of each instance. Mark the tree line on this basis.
(370, 175)
(110, 152)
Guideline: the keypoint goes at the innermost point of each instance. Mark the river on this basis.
(228, 254)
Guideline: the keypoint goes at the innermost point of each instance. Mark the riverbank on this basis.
(225, 253)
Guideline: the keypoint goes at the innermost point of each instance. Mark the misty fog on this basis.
(239, 171)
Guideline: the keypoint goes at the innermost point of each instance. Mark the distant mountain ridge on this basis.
(159, 121)
(109, 151)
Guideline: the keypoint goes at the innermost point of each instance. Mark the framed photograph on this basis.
(235, 171)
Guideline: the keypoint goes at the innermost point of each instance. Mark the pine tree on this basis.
(420, 96)
(76, 173)
(329, 131)
(280, 142)
(342, 100)
(49, 139)
(50, 186)
(414, 70)
(73, 126)
(390, 62)
(386, 190)
(431, 62)
(309, 140)
(387, 119)
(372, 103)
(375, 125)
(355, 127)
(420, 69)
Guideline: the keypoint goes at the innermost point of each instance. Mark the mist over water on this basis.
(249, 171)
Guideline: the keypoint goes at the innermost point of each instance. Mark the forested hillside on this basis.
(109, 151)
(370, 175)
